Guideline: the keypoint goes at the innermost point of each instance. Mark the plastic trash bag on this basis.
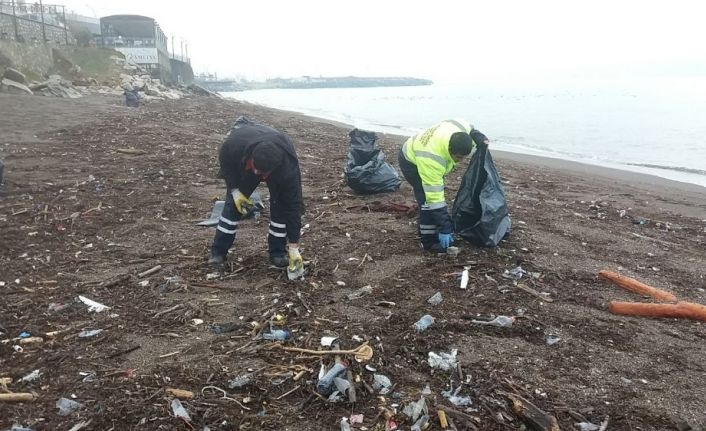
(366, 169)
(480, 212)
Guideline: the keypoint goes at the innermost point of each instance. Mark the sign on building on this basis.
(140, 55)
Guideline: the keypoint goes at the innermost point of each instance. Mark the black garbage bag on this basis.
(480, 213)
(366, 169)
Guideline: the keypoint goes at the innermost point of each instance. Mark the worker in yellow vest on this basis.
(425, 159)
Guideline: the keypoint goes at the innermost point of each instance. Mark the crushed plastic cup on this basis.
(552, 340)
(435, 299)
(93, 306)
(34, 375)
(500, 322)
(456, 399)
(89, 333)
(67, 406)
(179, 410)
(381, 383)
(515, 273)
(452, 251)
(365, 290)
(416, 409)
(240, 381)
(422, 324)
(443, 361)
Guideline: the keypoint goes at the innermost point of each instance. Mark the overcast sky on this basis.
(447, 41)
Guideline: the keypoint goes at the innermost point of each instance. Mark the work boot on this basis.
(280, 261)
(216, 259)
(434, 248)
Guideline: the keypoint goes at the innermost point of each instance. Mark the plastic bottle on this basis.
(423, 323)
(277, 335)
(500, 321)
(436, 299)
(326, 384)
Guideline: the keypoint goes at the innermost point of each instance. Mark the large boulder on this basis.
(12, 87)
(15, 75)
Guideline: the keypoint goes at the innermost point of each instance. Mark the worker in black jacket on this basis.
(250, 154)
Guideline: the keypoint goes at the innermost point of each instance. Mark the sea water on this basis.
(655, 126)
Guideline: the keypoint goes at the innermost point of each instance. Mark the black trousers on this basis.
(427, 227)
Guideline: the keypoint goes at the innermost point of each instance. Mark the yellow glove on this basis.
(295, 259)
(240, 200)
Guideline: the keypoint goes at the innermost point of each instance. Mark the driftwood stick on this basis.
(19, 397)
(532, 415)
(149, 271)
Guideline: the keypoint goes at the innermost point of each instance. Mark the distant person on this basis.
(250, 154)
(132, 97)
(425, 159)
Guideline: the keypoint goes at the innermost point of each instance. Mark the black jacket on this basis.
(284, 182)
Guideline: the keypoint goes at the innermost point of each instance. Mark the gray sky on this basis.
(447, 41)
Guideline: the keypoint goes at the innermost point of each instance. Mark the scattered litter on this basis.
(370, 368)
(436, 299)
(345, 426)
(381, 383)
(67, 406)
(89, 333)
(443, 361)
(455, 399)
(425, 322)
(552, 340)
(240, 381)
(626, 380)
(34, 375)
(587, 426)
(385, 304)
(171, 284)
(224, 328)
(340, 283)
(88, 377)
(452, 251)
(144, 283)
(24, 335)
(18, 427)
(421, 424)
(328, 341)
(342, 385)
(500, 321)
(326, 383)
(464, 278)
(426, 390)
(276, 335)
(356, 419)
(514, 273)
(416, 409)
(215, 214)
(179, 393)
(365, 290)
(212, 276)
(197, 322)
(56, 307)
(93, 306)
(179, 410)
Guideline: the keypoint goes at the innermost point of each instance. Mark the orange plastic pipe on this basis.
(635, 286)
(680, 310)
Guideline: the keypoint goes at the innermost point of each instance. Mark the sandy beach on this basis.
(79, 217)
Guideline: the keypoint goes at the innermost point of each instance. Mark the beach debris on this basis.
(196, 322)
(423, 323)
(532, 415)
(18, 427)
(639, 221)
(455, 399)
(150, 271)
(34, 375)
(552, 340)
(179, 410)
(93, 306)
(240, 381)
(680, 310)
(88, 377)
(381, 383)
(357, 294)
(416, 409)
(421, 423)
(443, 421)
(356, 419)
(453, 251)
(588, 426)
(31, 340)
(443, 361)
(361, 353)
(67, 406)
(296, 272)
(326, 381)
(24, 334)
(542, 296)
(89, 333)
(500, 321)
(224, 328)
(17, 397)
(328, 341)
(464, 278)
(426, 390)
(341, 283)
(435, 299)
(276, 335)
(179, 393)
(212, 276)
(638, 287)
(345, 426)
(81, 425)
(515, 273)
(171, 284)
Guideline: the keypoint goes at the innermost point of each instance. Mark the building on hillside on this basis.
(141, 40)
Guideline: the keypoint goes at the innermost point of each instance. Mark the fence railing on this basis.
(36, 22)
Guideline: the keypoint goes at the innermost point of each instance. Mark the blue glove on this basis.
(445, 239)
